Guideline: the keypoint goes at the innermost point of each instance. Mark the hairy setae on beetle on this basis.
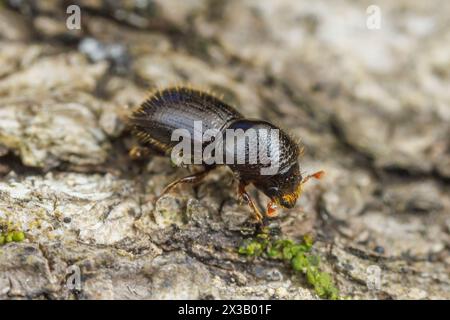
(180, 107)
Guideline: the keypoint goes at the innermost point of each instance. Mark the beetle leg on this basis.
(193, 178)
(139, 152)
(243, 193)
(271, 210)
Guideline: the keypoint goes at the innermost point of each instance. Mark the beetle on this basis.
(164, 111)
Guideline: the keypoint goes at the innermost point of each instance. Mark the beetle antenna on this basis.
(316, 175)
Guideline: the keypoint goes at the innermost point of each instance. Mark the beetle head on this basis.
(283, 188)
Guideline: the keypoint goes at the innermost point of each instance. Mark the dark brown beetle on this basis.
(179, 107)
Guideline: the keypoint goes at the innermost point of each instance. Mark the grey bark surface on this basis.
(372, 108)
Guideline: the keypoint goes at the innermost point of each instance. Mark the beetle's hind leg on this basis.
(139, 152)
(193, 179)
(243, 193)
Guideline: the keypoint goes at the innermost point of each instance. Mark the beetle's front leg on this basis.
(243, 193)
(271, 209)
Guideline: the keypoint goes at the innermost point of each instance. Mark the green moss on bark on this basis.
(298, 256)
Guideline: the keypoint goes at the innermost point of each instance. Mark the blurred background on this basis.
(364, 84)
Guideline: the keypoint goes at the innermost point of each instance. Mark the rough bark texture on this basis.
(372, 108)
